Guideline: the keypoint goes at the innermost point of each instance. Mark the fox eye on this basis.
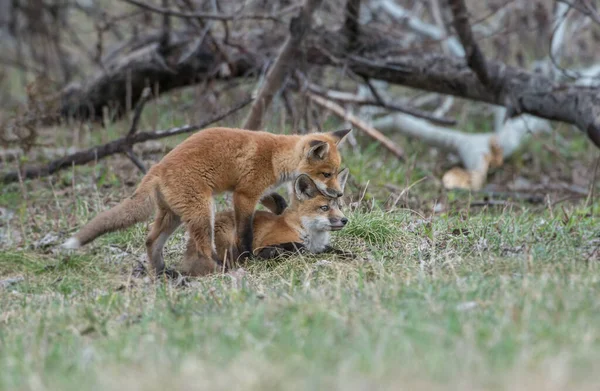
(325, 208)
(326, 174)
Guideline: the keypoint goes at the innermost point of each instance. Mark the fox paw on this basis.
(270, 252)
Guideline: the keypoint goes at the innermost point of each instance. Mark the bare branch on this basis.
(134, 126)
(184, 63)
(351, 24)
(584, 7)
(347, 97)
(166, 29)
(473, 54)
(121, 145)
(420, 27)
(203, 15)
(135, 160)
(535, 94)
(368, 129)
(299, 26)
(138, 111)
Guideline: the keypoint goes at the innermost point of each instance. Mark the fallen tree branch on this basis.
(422, 28)
(351, 23)
(347, 97)
(201, 15)
(121, 145)
(535, 94)
(183, 63)
(368, 129)
(473, 54)
(584, 7)
(299, 26)
(477, 152)
(134, 127)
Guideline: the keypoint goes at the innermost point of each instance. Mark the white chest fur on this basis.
(314, 236)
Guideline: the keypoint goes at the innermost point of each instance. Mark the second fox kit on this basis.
(181, 186)
(304, 225)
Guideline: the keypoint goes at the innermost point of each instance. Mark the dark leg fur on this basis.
(247, 238)
(276, 250)
(244, 205)
(280, 202)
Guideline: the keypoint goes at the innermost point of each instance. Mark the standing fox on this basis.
(181, 186)
(305, 225)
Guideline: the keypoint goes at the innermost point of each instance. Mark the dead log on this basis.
(532, 93)
(183, 61)
(121, 145)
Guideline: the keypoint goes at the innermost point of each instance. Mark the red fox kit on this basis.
(305, 225)
(181, 186)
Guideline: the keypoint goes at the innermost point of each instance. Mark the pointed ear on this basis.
(318, 150)
(340, 135)
(342, 177)
(304, 187)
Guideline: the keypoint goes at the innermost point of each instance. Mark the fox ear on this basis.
(318, 150)
(340, 135)
(342, 177)
(304, 187)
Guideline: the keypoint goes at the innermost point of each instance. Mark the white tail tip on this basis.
(71, 243)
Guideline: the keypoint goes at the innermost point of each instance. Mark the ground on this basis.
(449, 289)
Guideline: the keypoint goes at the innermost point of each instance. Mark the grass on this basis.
(503, 299)
(459, 297)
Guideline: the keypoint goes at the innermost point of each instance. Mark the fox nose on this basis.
(344, 220)
(334, 193)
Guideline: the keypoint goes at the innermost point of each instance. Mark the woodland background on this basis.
(472, 198)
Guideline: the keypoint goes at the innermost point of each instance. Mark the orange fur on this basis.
(295, 224)
(181, 186)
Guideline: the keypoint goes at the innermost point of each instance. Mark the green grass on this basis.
(468, 298)
(490, 301)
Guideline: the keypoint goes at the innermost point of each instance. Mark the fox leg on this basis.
(200, 225)
(196, 264)
(165, 223)
(275, 250)
(244, 205)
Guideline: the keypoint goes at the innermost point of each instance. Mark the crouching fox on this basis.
(303, 226)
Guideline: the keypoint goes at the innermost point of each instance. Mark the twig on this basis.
(203, 15)
(299, 26)
(166, 29)
(134, 126)
(351, 24)
(340, 96)
(473, 54)
(584, 7)
(593, 184)
(489, 203)
(368, 129)
(144, 97)
(489, 195)
(137, 161)
(117, 146)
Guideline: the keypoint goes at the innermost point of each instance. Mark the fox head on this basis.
(321, 161)
(317, 211)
